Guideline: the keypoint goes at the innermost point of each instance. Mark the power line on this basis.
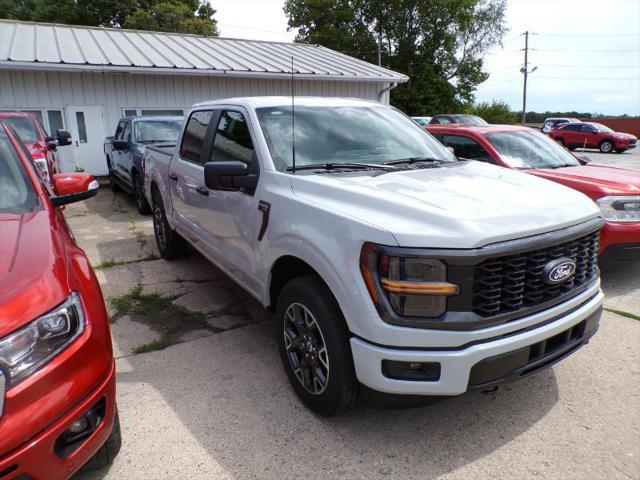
(587, 66)
(637, 34)
(590, 78)
(617, 50)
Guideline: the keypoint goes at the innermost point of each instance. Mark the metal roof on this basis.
(65, 47)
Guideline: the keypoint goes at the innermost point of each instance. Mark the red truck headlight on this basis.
(28, 349)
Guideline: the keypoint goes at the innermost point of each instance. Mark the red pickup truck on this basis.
(41, 146)
(615, 190)
(57, 373)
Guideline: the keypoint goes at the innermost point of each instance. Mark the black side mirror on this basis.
(120, 144)
(229, 176)
(64, 138)
(52, 144)
(583, 159)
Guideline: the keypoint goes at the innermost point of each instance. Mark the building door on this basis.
(87, 128)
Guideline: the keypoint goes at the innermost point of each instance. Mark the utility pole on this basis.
(379, 49)
(525, 72)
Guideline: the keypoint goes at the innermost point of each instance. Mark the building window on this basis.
(55, 121)
(129, 112)
(82, 127)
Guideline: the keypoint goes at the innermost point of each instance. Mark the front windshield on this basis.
(18, 195)
(158, 130)
(470, 120)
(602, 128)
(24, 127)
(345, 134)
(530, 149)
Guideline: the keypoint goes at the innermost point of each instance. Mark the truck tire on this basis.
(170, 244)
(108, 452)
(314, 345)
(141, 200)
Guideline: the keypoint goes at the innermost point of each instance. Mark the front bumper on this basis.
(620, 241)
(457, 372)
(38, 460)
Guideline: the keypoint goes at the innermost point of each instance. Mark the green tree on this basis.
(496, 112)
(183, 16)
(439, 44)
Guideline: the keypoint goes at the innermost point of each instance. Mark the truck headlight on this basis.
(26, 350)
(620, 209)
(411, 285)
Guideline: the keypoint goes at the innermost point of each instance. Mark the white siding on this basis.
(30, 89)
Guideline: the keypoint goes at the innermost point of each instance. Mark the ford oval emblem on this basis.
(558, 270)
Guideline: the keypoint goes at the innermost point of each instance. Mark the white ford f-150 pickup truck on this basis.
(394, 268)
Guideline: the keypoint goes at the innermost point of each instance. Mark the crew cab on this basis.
(125, 152)
(57, 373)
(593, 135)
(615, 190)
(41, 146)
(393, 268)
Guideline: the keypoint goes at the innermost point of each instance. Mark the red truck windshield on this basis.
(523, 149)
(24, 127)
(18, 195)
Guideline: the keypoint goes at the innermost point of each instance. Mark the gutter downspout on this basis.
(382, 92)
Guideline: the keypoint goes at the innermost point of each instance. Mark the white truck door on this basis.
(232, 217)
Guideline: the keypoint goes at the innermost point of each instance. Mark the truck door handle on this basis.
(173, 176)
(202, 190)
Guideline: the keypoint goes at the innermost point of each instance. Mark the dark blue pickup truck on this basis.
(125, 152)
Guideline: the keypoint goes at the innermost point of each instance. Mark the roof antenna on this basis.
(293, 122)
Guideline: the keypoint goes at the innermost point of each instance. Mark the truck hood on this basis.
(33, 271)
(460, 205)
(595, 180)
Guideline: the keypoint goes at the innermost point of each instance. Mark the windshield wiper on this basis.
(414, 160)
(331, 166)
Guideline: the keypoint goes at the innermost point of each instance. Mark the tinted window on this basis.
(126, 133)
(24, 127)
(18, 195)
(570, 128)
(465, 147)
(157, 131)
(193, 137)
(119, 131)
(232, 140)
(343, 134)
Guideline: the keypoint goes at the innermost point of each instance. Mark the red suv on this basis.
(592, 135)
(57, 373)
(41, 147)
(615, 190)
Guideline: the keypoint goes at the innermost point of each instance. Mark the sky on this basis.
(587, 52)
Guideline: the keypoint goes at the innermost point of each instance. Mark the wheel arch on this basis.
(286, 268)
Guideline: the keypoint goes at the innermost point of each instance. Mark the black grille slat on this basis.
(509, 283)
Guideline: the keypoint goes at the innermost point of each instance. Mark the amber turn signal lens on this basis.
(419, 288)
(370, 285)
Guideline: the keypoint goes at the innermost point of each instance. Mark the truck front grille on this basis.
(508, 283)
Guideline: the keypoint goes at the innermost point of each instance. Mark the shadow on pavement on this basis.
(228, 395)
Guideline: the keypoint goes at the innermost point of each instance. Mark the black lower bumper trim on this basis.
(520, 363)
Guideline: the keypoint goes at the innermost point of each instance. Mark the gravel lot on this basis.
(217, 403)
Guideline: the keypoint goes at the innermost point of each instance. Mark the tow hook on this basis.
(490, 391)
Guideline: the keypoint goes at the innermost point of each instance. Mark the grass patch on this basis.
(152, 346)
(113, 263)
(623, 313)
(161, 314)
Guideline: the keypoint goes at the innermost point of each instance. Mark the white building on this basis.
(84, 79)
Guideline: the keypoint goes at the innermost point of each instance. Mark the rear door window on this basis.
(194, 134)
